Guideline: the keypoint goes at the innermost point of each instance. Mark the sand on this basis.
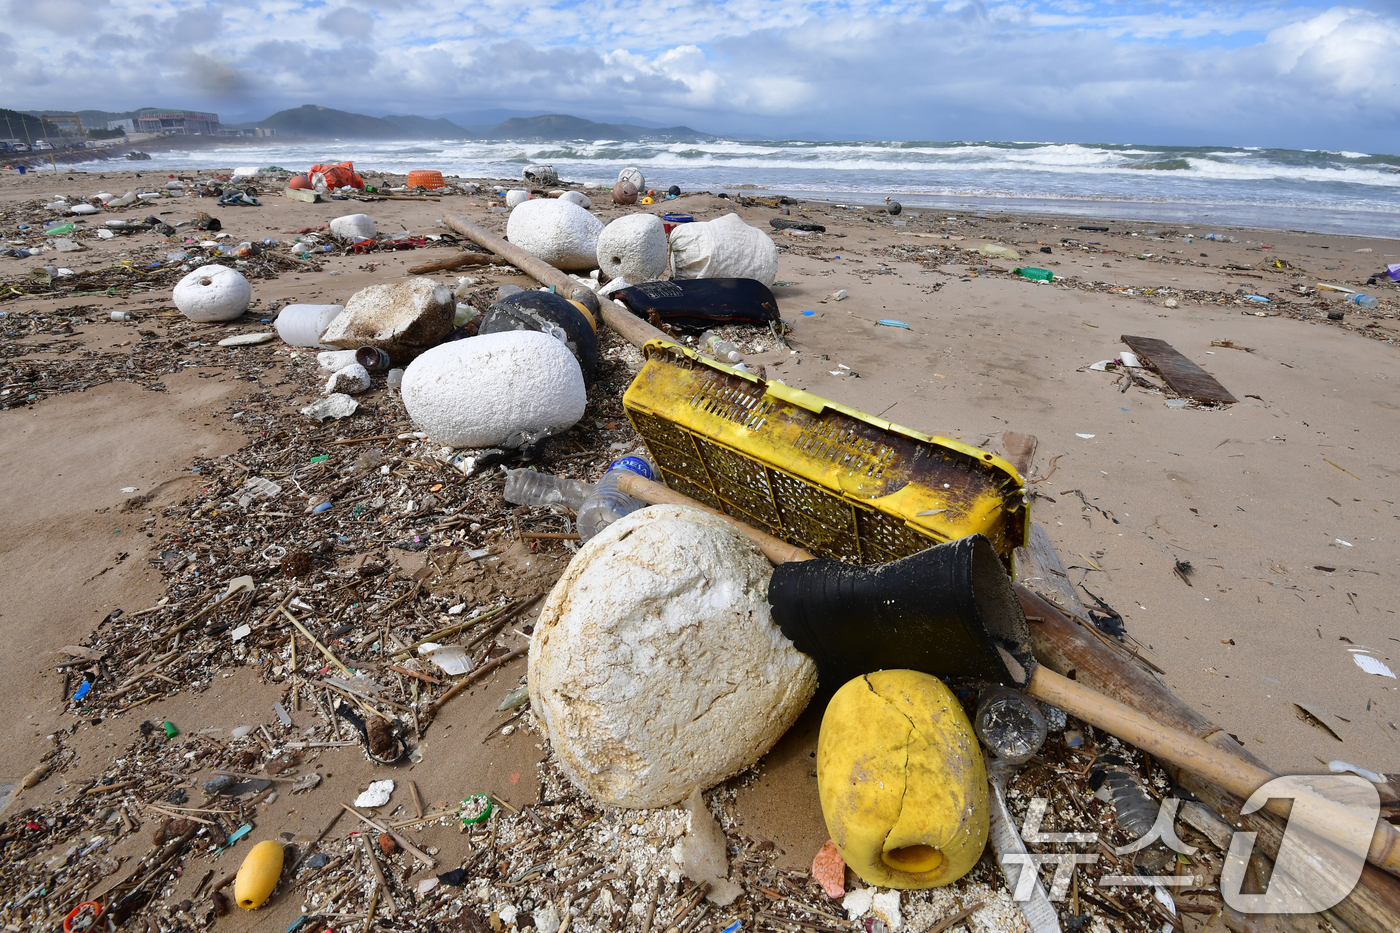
(1280, 502)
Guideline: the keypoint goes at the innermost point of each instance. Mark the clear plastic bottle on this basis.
(527, 487)
(1365, 301)
(719, 348)
(608, 503)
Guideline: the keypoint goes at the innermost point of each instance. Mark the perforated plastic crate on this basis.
(815, 473)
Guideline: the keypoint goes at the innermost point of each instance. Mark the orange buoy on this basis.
(299, 181)
(426, 178)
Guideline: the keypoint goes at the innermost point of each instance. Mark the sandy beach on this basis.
(113, 434)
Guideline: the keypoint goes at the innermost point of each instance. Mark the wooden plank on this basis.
(1184, 377)
(1020, 450)
(1038, 567)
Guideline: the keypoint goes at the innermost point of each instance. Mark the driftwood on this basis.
(457, 261)
(1065, 646)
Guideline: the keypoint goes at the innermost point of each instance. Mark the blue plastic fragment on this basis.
(808, 313)
(1259, 298)
(733, 927)
(889, 323)
(82, 690)
(236, 835)
(324, 506)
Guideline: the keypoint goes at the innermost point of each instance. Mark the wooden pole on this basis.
(632, 328)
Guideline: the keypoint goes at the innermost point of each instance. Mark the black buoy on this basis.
(894, 207)
(673, 190)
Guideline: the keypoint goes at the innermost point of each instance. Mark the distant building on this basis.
(258, 131)
(126, 126)
(170, 122)
(68, 123)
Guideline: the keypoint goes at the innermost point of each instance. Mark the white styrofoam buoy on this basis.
(655, 664)
(351, 380)
(495, 390)
(578, 197)
(213, 293)
(353, 225)
(559, 232)
(634, 247)
(516, 197)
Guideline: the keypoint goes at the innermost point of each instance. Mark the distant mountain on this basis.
(558, 126)
(313, 122)
(426, 128)
(323, 122)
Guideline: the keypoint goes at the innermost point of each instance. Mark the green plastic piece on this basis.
(1035, 275)
(482, 817)
(170, 730)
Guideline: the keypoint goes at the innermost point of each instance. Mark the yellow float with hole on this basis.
(902, 783)
(258, 874)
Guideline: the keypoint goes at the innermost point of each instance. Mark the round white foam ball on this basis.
(656, 666)
(559, 232)
(634, 247)
(578, 197)
(495, 390)
(516, 197)
(213, 293)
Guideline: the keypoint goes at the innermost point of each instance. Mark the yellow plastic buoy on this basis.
(258, 874)
(902, 782)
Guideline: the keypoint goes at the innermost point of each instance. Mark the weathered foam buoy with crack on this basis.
(656, 666)
(497, 390)
(516, 197)
(634, 248)
(213, 293)
(559, 232)
(902, 783)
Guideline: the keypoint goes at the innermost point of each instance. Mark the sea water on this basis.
(1313, 190)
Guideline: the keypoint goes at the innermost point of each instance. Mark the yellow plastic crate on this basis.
(816, 474)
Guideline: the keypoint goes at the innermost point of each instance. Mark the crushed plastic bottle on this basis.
(527, 487)
(608, 503)
(719, 348)
(1010, 724)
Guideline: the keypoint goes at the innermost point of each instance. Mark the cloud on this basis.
(65, 17)
(350, 24)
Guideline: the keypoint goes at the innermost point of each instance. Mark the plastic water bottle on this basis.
(719, 348)
(526, 487)
(1365, 301)
(608, 503)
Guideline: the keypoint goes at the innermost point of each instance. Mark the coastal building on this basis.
(169, 122)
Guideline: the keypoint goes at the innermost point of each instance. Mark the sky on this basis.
(1291, 74)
